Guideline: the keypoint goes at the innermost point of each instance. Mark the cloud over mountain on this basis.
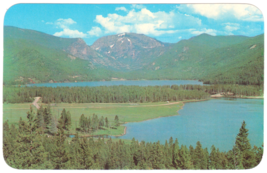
(146, 22)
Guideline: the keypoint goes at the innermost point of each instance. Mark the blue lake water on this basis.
(112, 83)
(213, 122)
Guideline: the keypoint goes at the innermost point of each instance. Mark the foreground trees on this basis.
(29, 147)
(246, 156)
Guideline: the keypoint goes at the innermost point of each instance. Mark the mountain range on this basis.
(33, 57)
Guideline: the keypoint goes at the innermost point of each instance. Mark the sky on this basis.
(167, 23)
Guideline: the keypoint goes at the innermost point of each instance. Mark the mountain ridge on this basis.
(132, 56)
(132, 50)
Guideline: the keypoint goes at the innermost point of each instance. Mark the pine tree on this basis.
(206, 158)
(9, 142)
(82, 122)
(85, 155)
(95, 122)
(213, 157)
(170, 156)
(185, 158)
(59, 155)
(53, 125)
(176, 157)
(101, 121)
(157, 157)
(116, 121)
(47, 116)
(29, 153)
(243, 145)
(73, 148)
(39, 155)
(230, 160)
(40, 118)
(61, 121)
(237, 158)
(199, 159)
(89, 124)
(106, 122)
(65, 120)
(68, 121)
(6, 143)
(167, 155)
(259, 154)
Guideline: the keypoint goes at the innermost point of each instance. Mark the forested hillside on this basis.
(34, 57)
(214, 59)
(240, 63)
(37, 57)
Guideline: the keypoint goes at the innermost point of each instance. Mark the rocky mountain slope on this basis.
(31, 56)
(75, 47)
(131, 51)
(34, 56)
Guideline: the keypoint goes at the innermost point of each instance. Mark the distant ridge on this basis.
(32, 56)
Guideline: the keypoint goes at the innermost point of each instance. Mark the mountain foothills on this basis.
(33, 57)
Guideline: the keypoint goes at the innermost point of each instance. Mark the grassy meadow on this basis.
(127, 112)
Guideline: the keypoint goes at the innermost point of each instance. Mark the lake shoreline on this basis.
(187, 101)
(206, 122)
(114, 81)
(125, 128)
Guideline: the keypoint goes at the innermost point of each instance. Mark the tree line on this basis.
(48, 124)
(28, 147)
(91, 125)
(123, 94)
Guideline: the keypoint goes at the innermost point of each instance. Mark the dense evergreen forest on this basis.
(30, 146)
(124, 94)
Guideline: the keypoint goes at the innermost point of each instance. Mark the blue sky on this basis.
(167, 23)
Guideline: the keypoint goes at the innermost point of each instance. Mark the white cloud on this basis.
(146, 22)
(207, 31)
(180, 37)
(67, 32)
(120, 8)
(70, 33)
(64, 23)
(231, 26)
(219, 11)
(95, 31)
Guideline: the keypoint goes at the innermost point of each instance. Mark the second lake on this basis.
(126, 82)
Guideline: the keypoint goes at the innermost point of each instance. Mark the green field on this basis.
(127, 112)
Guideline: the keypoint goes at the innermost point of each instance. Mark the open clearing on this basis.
(127, 112)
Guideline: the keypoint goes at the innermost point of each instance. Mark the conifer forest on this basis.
(133, 86)
(41, 142)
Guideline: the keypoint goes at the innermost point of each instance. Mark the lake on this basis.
(127, 82)
(216, 121)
